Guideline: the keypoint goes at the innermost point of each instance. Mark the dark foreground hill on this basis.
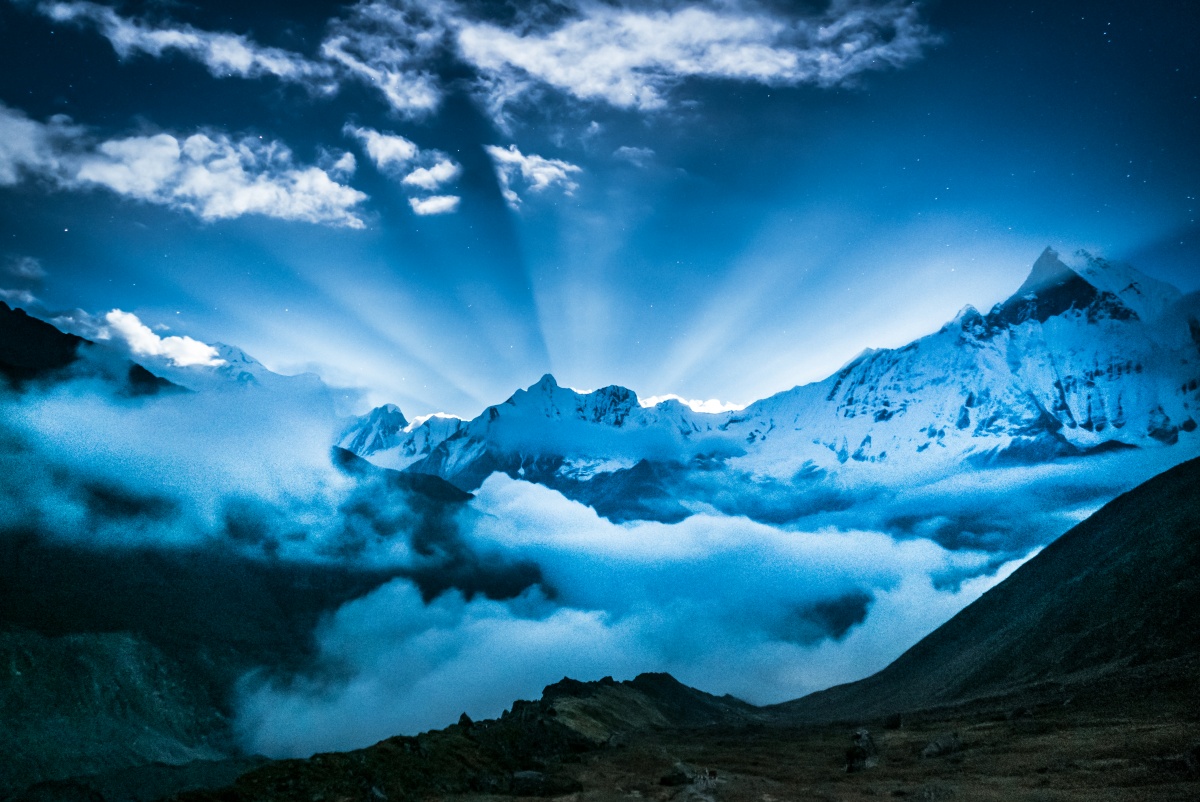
(1119, 592)
(32, 350)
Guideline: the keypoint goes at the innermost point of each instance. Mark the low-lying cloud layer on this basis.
(496, 596)
(722, 603)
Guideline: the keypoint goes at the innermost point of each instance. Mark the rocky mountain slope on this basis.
(1117, 593)
(32, 350)
(1081, 359)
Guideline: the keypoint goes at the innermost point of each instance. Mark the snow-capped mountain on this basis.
(1080, 359)
(235, 369)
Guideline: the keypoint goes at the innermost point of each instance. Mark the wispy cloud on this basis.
(638, 157)
(632, 57)
(388, 45)
(30, 148)
(22, 297)
(25, 267)
(626, 55)
(537, 173)
(224, 54)
(212, 176)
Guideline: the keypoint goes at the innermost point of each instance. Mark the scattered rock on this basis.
(535, 783)
(863, 754)
(676, 778)
(945, 744)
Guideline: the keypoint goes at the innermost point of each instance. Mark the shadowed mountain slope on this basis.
(1119, 591)
(31, 349)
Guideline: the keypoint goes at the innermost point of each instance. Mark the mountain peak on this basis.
(1048, 271)
(378, 430)
(547, 382)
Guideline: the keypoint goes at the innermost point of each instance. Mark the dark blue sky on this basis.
(713, 200)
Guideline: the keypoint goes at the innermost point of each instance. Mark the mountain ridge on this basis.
(1079, 360)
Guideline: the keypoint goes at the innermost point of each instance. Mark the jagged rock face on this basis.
(381, 429)
(1080, 358)
(85, 703)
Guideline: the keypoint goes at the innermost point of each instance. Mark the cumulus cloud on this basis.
(631, 57)
(224, 54)
(216, 177)
(387, 151)
(435, 204)
(142, 341)
(442, 171)
(723, 603)
(212, 176)
(422, 169)
(537, 173)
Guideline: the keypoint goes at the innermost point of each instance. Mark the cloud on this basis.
(224, 54)
(712, 405)
(631, 58)
(23, 297)
(26, 267)
(181, 351)
(619, 54)
(387, 151)
(388, 46)
(435, 204)
(535, 172)
(638, 157)
(212, 176)
(430, 169)
(216, 177)
(723, 603)
(442, 171)
(30, 148)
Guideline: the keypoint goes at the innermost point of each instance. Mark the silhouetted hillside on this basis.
(1120, 590)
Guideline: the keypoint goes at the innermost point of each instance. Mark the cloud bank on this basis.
(722, 603)
(519, 579)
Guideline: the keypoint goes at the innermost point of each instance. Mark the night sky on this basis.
(716, 200)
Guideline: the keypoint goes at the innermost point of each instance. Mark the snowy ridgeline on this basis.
(1080, 359)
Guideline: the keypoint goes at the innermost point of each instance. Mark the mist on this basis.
(484, 599)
